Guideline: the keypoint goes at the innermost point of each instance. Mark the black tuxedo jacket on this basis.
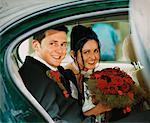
(48, 93)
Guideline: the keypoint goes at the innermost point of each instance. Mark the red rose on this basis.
(55, 75)
(125, 87)
(131, 95)
(120, 92)
(126, 109)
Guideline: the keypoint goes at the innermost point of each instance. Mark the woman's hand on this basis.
(98, 109)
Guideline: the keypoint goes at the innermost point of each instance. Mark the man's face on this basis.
(53, 47)
(90, 53)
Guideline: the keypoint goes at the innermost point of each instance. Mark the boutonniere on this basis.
(56, 75)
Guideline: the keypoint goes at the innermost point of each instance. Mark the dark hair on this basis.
(80, 35)
(41, 34)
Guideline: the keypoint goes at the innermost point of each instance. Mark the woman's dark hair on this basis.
(79, 36)
(41, 34)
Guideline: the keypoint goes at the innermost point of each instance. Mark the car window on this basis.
(113, 44)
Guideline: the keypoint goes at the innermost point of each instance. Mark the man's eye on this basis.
(64, 45)
(53, 44)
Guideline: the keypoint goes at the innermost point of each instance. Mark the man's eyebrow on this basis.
(57, 41)
(65, 42)
(53, 40)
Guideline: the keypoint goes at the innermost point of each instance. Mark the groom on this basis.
(49, 50)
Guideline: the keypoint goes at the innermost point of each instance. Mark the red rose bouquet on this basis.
(115, 88)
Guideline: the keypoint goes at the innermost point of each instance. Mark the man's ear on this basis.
(35, 45)
(72, 54)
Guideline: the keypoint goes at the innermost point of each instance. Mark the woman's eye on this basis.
(86, 52)
(96, 51)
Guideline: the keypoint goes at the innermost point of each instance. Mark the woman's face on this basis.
(91, 55)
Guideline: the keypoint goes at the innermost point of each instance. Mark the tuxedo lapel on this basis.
(64, 79)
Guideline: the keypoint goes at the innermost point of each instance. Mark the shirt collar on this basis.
(37, 57)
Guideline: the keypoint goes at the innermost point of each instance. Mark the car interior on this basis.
(18, 51)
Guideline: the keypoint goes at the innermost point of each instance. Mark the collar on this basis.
(37, 57)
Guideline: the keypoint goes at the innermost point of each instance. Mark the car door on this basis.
(19, 23)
